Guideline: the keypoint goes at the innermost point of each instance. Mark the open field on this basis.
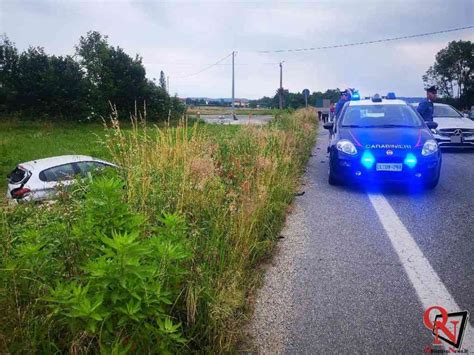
(219, 110)
(158, 257)
(22, 141)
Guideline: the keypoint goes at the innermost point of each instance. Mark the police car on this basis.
(382, 139)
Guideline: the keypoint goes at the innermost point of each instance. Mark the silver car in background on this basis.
(454, 130)
(40, 179)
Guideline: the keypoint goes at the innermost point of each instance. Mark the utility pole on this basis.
(280, 96)
(233, 87)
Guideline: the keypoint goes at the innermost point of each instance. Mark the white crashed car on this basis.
(454, 130)
(40, 179)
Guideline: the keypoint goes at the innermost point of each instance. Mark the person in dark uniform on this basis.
(345, 96)
(426, 107)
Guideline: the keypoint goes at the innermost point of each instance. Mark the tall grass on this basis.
(232, 191)
(220, 198)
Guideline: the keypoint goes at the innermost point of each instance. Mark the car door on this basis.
(55, 178)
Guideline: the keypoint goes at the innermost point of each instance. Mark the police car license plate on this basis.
(455, 139)
(388, 167)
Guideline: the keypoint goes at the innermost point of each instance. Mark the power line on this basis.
(220, 64)
(366, 42)
(206, 68)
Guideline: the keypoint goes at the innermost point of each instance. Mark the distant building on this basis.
(241, 103)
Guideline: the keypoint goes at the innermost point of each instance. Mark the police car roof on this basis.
(369, 102)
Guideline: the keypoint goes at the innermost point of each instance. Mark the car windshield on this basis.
(445, 111)
(381, 116)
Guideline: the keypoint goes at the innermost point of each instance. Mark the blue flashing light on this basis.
(367, 160)
(391, 96)
(410, 160)
(355, 96)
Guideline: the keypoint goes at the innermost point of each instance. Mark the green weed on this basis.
(161, 256)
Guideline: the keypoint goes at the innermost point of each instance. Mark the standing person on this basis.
(342, 100)
(325, 117)
(345, 96)
(319, 115)
(426, 107)
(332, 111)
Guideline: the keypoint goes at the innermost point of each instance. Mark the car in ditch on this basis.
(382, 140)
(454, 129)
(41, 179)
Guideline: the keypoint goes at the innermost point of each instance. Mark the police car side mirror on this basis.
(466, 115)
(432, 124)
(329, 125)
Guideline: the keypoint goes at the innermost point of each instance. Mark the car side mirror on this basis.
(328, 125)
(466, 115)
(432, 124)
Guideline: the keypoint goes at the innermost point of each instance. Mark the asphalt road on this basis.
(241, 119)
(358, 266)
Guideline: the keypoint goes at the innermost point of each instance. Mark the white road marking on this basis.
(429, 287)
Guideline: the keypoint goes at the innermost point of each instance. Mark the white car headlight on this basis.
(346, 146)
(429, 147)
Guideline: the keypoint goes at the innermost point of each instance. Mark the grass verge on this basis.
(159, 257)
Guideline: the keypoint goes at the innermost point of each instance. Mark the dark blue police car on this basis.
(383, 140)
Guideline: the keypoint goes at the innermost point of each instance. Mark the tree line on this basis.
(34, 84)
(296, 100)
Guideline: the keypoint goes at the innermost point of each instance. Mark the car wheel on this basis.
(430, 185)
(332, 180)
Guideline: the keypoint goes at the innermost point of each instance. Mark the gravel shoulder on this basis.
(274, 304)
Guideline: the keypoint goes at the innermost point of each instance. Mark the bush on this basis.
(97, 278)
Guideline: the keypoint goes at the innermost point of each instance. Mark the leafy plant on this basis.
(160, 256)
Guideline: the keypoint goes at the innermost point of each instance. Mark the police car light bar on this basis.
(355, 96)
(391, 96)
(376, 98)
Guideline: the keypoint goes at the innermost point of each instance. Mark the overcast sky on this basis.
(181, 38)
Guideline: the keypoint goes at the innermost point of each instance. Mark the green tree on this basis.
(49, 85)
(8, 72)
(162, 80)
(116, 77)
(113, 75)
(66, 87)
(36, 84)
(453, 70)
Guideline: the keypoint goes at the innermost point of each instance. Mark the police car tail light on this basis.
(429, 147)
(367, 159)
(410, 160)
(346, 146)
